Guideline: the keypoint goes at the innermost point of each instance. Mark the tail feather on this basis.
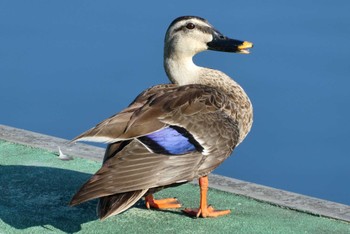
(117, 203)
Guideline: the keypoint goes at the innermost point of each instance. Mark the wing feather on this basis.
(115, 204)
(149, 171)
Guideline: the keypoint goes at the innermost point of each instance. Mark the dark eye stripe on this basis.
(204, 29)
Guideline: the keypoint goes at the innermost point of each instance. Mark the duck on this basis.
(172, 133)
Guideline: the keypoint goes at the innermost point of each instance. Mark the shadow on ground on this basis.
(39, 196)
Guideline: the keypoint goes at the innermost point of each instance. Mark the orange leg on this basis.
(204, 210)
(168, 203)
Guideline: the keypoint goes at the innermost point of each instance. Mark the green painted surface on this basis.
(36, 187)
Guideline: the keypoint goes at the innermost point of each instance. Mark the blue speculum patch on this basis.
(170, 140)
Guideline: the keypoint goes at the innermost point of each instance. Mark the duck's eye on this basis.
(190, 26)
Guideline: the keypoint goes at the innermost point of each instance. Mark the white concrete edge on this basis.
(50, 143)
(273, 196)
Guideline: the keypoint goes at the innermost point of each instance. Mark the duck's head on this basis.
(189, 35)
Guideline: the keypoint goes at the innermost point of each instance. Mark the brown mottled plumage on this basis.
(205, 106)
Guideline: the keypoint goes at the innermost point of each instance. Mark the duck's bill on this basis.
(225, 44)
(244, 47)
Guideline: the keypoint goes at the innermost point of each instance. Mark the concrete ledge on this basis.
(282, 198)
(50, 143)
(258, 192)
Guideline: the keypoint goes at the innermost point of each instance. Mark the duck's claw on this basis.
(167, 203)
(205, 212)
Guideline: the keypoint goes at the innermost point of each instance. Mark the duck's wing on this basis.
(188, 134)
(113, 129)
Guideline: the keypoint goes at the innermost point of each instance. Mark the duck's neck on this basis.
(181, 70)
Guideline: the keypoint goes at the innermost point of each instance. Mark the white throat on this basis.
(182, 70)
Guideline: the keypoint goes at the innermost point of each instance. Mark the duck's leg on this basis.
(204, 210)
(167, 203)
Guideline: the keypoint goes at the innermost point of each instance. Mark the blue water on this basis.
(66, 65)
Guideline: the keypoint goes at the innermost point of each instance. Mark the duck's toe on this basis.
(167, 203)
(205, 212)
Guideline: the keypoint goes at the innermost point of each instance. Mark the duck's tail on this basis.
(117, 203)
